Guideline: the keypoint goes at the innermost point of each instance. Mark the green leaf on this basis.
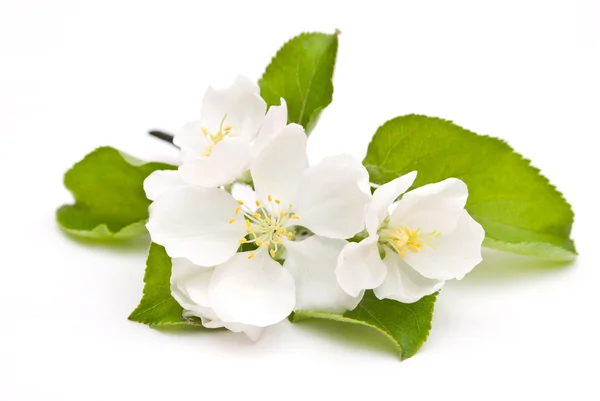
(158, 307)
(406, 325)
(519, 209)
(301, 72)
(110, 202)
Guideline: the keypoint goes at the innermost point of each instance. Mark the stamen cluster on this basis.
(267, 226)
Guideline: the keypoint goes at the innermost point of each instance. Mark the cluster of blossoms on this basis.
(245, 264)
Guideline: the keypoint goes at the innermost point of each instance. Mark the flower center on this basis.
(268, 226)
(402, 239)
(223, 132)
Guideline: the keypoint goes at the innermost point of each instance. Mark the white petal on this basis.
(257, 291)
(278, 168)
(227, 162)
(189, 283)
(432, 207)
(240, 104)
(455, 254)
(161, 181)
(331, 200)
(252, 332)
(210, 320)
(194, 223)
(191, 140)
(189, 287)
(383, 197)
(274, 122)
(403, 283)
(312, 262)
(360, 267)
(245, 194)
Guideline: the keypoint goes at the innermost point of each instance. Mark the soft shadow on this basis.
(350, 335)
(497, 265)
(128, 245)
(185, 330)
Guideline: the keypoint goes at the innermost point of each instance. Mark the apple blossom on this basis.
(246, 290)
(413, 245)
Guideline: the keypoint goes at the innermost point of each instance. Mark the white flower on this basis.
(426, 239)
(248, 290)
(219, 153)
(216, 148)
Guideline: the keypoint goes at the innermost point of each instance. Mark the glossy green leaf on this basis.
(110, 202)
(301, 72)
(406, 325)
(519, 209)
(158, 307)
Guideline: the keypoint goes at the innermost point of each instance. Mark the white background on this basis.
(80, 74)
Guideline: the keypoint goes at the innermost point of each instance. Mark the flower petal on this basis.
(403, 283)
(331, 197)
(227, 162)
(455, 254)
(360, 267)
(256, 291)
(278, 168)
(240, 106)
(189, 287)
(196, 223)
(312, 262)
(252, 332)
(432, 207)
(191, 140)
(189, 283)
(160, 181)
(384, 197)
(274, 122)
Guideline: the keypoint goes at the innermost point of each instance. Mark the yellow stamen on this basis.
(242, 240)
(270, 198)
(278, 240)
(295, 217)
(290, 235)
(251, 255)
(281, 231)
(272, 252)
(405, 238)
(204, 130)
(282, 214)
(240, 202)
(258, 242)
(237, 211)
(232, 221)
(257, 203)
(277, 201)
(256, 216)
(227, 128)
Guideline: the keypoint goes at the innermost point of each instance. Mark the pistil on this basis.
(224, 131)
(267, 225)
(403, 239)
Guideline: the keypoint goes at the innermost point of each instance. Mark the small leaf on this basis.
(519, 209)
(406, 325)
(301, 72)
(158, 307)
(110, 202)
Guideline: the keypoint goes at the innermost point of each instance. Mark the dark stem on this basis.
(162, 136)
